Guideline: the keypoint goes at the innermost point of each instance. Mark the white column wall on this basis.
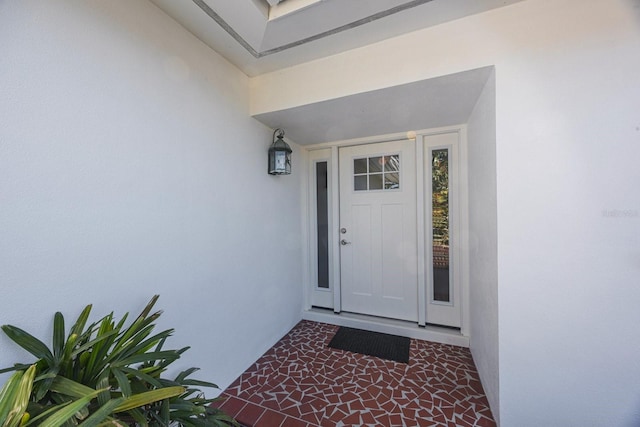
(483, 245)
(129, 166)
(568, 206)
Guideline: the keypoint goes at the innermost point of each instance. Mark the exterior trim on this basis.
(366, 20)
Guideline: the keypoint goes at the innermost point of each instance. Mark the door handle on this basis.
(344, 242)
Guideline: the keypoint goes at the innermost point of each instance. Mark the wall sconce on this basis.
(279, 155)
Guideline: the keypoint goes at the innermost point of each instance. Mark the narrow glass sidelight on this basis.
(440, 220)
(322, 215)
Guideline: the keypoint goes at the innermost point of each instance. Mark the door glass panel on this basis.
(360, 166)
(392, 163)
(391, 180)
(440, 218)
(360, 182)
(375, 182)
(375, 164)
(322, 215)
(376, 173)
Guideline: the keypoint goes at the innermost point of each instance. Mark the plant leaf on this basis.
(41, 415)
(66, 360)
(135, 346)
(141, 375)
(28, 342)
(165, 411)
(123, 382)
(112, 422)
(184, 374)
(139, 416)
(71, 388)
(65, 413)
(100, 349)
(149, 306)
(16, 367)
(78, 327)
(92, 343)
(168, 355)
(82, 414)
(17, 397)
(148, 397)
(43, 387)
(125, 347)
(103, 383)
(139, 323)
(58, 335)
(199, 383)
(102, 413)
(8, 395)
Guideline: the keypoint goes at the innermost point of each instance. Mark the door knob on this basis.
(344, 242)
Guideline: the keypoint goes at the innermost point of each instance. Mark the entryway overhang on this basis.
(434, 106)
(431, 103)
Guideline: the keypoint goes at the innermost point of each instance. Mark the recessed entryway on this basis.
(385, 228)
(463, 103)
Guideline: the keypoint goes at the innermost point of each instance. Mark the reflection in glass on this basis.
(392, 163)
(375, 182)
(391, 180)
(440, 218)
(360, 182)
(376, 173)
(375, 164)
(322, 215)
(360, 165)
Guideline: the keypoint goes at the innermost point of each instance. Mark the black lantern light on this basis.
(279, 155)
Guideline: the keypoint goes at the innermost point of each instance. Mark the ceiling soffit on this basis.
(313, 21)
(431, 103)
(259, 38)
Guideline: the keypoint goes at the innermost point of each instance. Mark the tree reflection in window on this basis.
(440, 221)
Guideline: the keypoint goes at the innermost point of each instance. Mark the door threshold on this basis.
(403, 328)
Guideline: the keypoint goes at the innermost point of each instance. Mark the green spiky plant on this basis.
(104, 373)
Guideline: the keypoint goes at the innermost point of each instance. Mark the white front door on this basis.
(378, 238)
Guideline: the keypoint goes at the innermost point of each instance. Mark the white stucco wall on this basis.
(568, 205)
(483, 245)
(129, 166)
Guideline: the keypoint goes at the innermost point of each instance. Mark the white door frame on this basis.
(334, 214)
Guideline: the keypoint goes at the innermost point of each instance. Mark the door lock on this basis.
(344, 242)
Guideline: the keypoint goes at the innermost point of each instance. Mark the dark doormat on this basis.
(384, 346)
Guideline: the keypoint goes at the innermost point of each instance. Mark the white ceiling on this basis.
(260, 38)
(437, 102)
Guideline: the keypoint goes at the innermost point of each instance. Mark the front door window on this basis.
(376, 173)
